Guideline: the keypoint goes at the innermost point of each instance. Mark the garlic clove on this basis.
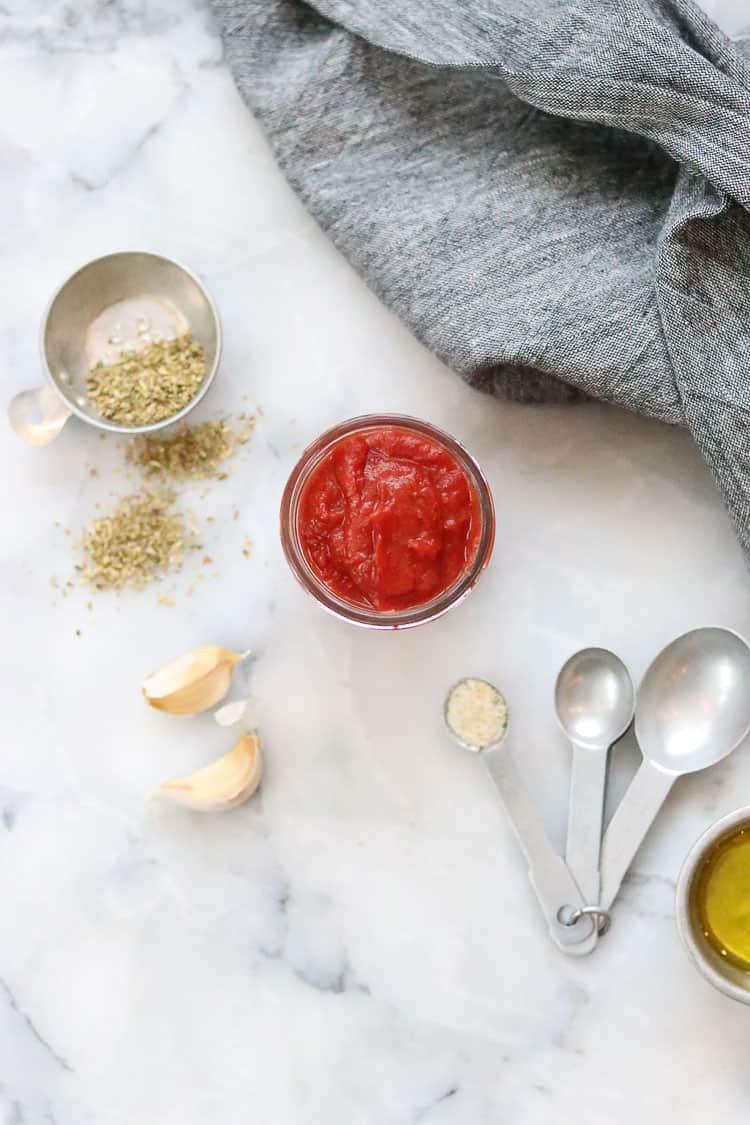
(226, 783)
(194, 682)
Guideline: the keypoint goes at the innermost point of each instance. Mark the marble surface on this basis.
(358, 945)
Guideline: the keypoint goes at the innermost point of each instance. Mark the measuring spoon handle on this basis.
(588, 782)
(629, 826)
(550, 878)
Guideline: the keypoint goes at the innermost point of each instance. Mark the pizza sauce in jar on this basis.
(388, 518)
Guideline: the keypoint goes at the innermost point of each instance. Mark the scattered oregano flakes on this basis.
(146, 534)
(193, 452)
(142, 539)
(149, 384)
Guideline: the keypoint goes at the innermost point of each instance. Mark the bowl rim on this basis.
(105, 423)
(362, 615)
(695, 950)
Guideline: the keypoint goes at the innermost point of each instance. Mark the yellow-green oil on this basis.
(721, 897)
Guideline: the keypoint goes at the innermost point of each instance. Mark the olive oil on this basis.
(721, 897)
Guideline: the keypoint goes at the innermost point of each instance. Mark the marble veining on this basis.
(358, 945)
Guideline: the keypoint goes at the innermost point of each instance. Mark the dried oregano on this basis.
(193, 452)
(146, 535)
(142, 539)
(150, 384)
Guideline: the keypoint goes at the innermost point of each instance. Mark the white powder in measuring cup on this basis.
(477, 713)
(130, 325)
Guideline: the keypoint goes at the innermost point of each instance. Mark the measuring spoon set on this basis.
(692, 709)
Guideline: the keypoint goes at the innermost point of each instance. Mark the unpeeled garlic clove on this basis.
(194, 682)
(226, 783)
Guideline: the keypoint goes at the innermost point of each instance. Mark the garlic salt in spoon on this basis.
(594, 701)
(693, 709)
(476, 715)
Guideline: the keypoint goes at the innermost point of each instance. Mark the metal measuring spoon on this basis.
(550, 878)
(594, 701)
(693, 709)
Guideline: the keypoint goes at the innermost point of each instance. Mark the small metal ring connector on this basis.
(568, 916)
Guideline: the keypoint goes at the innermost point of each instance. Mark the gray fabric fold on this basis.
(552, 194)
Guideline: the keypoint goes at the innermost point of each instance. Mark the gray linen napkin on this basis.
(552, 194)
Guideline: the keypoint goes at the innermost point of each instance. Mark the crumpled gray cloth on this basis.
(552, 194)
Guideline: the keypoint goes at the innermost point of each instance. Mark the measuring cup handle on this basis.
(37, 415)
(629, 826)
(549, 876)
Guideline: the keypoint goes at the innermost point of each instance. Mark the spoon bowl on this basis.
(693, 710)
(494, 710)
(694, 702)
(594, 698)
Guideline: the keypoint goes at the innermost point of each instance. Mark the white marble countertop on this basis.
(358, 945)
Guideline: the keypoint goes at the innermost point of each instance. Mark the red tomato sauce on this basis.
(389, 519)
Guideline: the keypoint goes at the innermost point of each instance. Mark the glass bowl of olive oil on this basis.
(713, 905)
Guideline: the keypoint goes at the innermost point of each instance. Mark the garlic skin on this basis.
(225, 784)
(239, 710)
(230, 713)
(194, 682)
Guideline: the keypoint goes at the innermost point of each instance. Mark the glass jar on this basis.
(367, 615)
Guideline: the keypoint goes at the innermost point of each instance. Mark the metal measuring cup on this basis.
(67, 350)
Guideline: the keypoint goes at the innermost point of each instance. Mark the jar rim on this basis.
(365, 615)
